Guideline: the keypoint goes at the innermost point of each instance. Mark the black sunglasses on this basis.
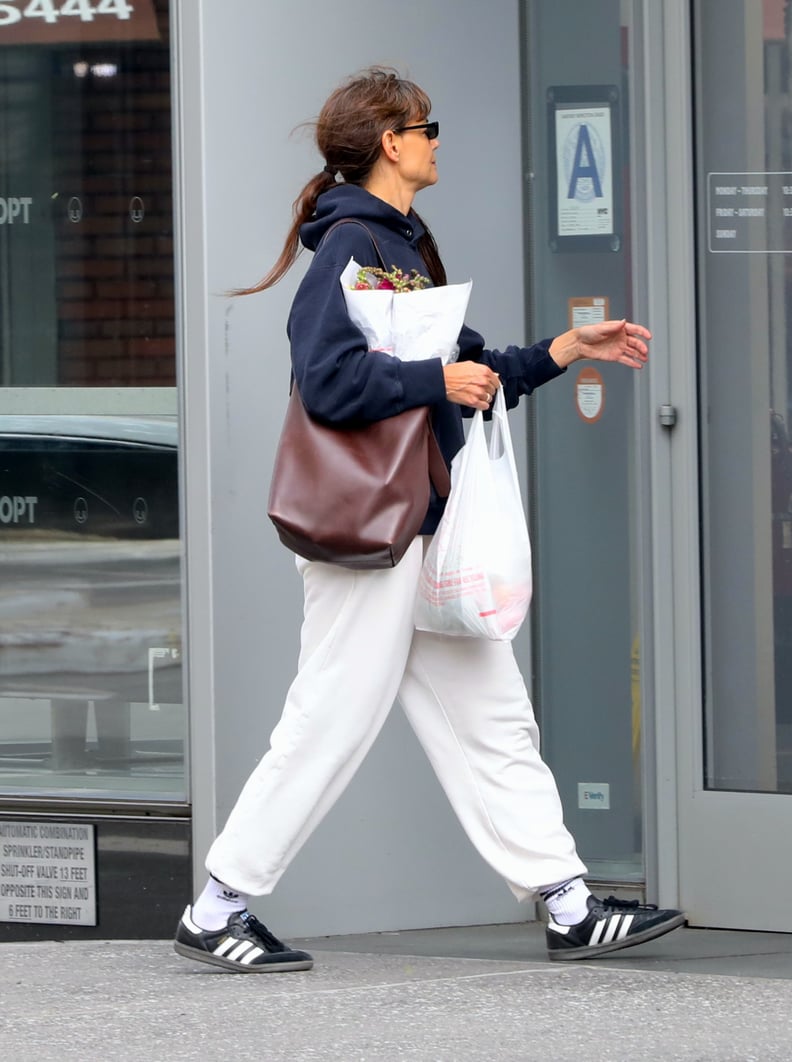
(432, 129)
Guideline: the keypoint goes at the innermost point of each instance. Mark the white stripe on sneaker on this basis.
(597, 931)
(225, 945)
(243, 947)
(254, 953)
(624, 928)
(613, 925)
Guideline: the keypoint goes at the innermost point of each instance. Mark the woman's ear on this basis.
(390, 145)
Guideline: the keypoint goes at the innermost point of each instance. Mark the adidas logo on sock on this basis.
(560, 890)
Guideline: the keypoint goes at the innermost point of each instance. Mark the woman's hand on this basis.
(620, 341)
(468, 383)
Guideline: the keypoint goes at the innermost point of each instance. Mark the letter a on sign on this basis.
(584, 165)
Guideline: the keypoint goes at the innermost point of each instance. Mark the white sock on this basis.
(216, 904)
(566, 901)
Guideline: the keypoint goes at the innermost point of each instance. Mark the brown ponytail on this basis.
(431, 255)
(303, 208)
(348, 134)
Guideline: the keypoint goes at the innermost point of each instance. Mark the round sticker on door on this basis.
(589, 395)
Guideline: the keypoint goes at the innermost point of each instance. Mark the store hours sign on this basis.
(59, 21)
(47, 873)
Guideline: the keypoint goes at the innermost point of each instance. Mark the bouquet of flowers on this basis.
(422, 322)
(375, 279)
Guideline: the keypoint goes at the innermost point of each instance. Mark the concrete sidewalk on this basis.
(486, 993)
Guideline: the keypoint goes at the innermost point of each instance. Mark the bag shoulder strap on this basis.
(335, 225)
(354, 221)
(438, 469)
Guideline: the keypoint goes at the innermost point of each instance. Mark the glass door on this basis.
(736, 818)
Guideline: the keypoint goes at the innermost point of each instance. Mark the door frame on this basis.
(668, 281)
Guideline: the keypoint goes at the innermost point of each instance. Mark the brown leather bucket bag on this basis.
(354, 496)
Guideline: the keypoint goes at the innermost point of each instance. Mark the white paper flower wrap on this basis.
(410, 325)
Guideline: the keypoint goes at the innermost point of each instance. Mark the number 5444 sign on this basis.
(55, 21)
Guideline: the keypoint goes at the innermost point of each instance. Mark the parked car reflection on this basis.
(90, 580)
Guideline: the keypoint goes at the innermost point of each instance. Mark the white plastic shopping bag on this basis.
(476, 578)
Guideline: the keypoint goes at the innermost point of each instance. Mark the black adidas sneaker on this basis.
(610, 925)
(245, 945)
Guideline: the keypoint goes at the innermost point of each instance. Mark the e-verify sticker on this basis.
(594, 795)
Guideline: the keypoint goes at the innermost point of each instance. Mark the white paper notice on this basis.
(593, 313)
(589, 394)
(584, 168)
(47, 873)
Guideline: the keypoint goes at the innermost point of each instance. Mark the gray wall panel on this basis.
(390, 854)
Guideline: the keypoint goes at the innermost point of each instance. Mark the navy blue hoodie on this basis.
(340, 380)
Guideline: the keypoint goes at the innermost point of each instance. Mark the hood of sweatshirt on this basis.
(351, 201)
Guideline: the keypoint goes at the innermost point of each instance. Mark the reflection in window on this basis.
(86, 229)
(90, 607)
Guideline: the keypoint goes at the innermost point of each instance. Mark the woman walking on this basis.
(464, 697)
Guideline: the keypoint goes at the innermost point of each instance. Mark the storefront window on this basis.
(86, 230)
(90, 583)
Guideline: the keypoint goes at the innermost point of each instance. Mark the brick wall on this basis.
(114, 275)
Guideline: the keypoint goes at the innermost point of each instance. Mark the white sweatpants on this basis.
(466, 701)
